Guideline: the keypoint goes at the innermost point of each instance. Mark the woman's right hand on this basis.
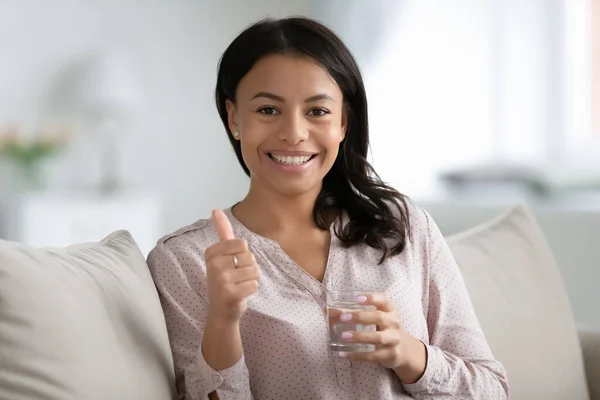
(229, 286)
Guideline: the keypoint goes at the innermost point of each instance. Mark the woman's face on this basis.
(290, 117)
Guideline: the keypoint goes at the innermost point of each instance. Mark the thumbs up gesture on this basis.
(232, 273)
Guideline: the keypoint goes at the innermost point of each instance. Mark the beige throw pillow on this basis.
(81, 323)
(521, 302)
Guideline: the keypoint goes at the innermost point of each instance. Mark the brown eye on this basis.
(318, 112)
(268, 111)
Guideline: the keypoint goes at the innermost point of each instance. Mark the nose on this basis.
(293, 129)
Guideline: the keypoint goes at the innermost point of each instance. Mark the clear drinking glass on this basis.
(344, 301)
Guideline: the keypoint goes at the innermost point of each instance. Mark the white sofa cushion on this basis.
(83, 322)
(520, 300)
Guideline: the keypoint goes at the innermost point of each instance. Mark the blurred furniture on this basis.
(104, 92)
(109, 97)
(94, 327)
(58, 219)
(571, 225)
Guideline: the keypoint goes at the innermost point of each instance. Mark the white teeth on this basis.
(289, 160)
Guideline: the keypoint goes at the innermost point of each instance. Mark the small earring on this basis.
(236, 134)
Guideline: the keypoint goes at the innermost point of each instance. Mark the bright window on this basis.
(582, 28)
(477, 82)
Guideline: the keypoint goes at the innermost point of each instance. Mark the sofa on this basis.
(520, 300)
(85, 322)
(571, 226)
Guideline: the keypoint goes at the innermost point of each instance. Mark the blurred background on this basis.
(107, 117)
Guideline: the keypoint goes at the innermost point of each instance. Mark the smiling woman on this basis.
(243, 292)
(288, 87)
(290, 131)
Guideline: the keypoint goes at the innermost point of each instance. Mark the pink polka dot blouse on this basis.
(284, 331)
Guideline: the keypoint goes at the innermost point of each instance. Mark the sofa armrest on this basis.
(590, 344)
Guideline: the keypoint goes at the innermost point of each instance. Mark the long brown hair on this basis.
(376, 211)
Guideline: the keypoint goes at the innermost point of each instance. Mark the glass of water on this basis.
(338, 303)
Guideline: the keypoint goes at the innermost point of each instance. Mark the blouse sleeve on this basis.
(460, 363)
(176, 272)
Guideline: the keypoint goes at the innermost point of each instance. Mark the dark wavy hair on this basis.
(378, 214)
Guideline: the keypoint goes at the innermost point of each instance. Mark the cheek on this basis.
(332, 132)
(252, 142)
(249, 150)
(332, 141)
(332, 149)
(257, 128)
(246, 125)
(254, 132)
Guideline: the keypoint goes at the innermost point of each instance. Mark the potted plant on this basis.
(27, 152)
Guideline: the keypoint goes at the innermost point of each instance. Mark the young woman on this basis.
(244, 292)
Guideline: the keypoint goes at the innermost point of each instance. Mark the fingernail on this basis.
(345, 317)
(361, 299)
(342, 354)
(347, 335)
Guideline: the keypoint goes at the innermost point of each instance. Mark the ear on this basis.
(232, 116)
(344, 126)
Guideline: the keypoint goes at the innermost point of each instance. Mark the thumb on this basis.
(222, 225)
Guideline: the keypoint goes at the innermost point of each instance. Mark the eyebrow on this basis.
(280, 99)
(318, 97)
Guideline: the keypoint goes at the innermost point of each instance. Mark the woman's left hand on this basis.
(394, 347)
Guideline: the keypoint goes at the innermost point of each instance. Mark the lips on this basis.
(291, 160)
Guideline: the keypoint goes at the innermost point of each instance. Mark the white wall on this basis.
(178, 146)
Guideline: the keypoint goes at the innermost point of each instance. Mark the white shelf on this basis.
(59, 219)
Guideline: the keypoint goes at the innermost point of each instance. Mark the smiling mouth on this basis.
(291, 160)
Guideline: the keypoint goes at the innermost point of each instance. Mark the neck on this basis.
(269, 214)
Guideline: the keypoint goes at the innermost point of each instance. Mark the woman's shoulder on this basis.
(424, 234)
(191, 239)
(421, 221)
(418, 220)
(177, 261)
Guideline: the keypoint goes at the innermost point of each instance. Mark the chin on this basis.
(295, 189)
